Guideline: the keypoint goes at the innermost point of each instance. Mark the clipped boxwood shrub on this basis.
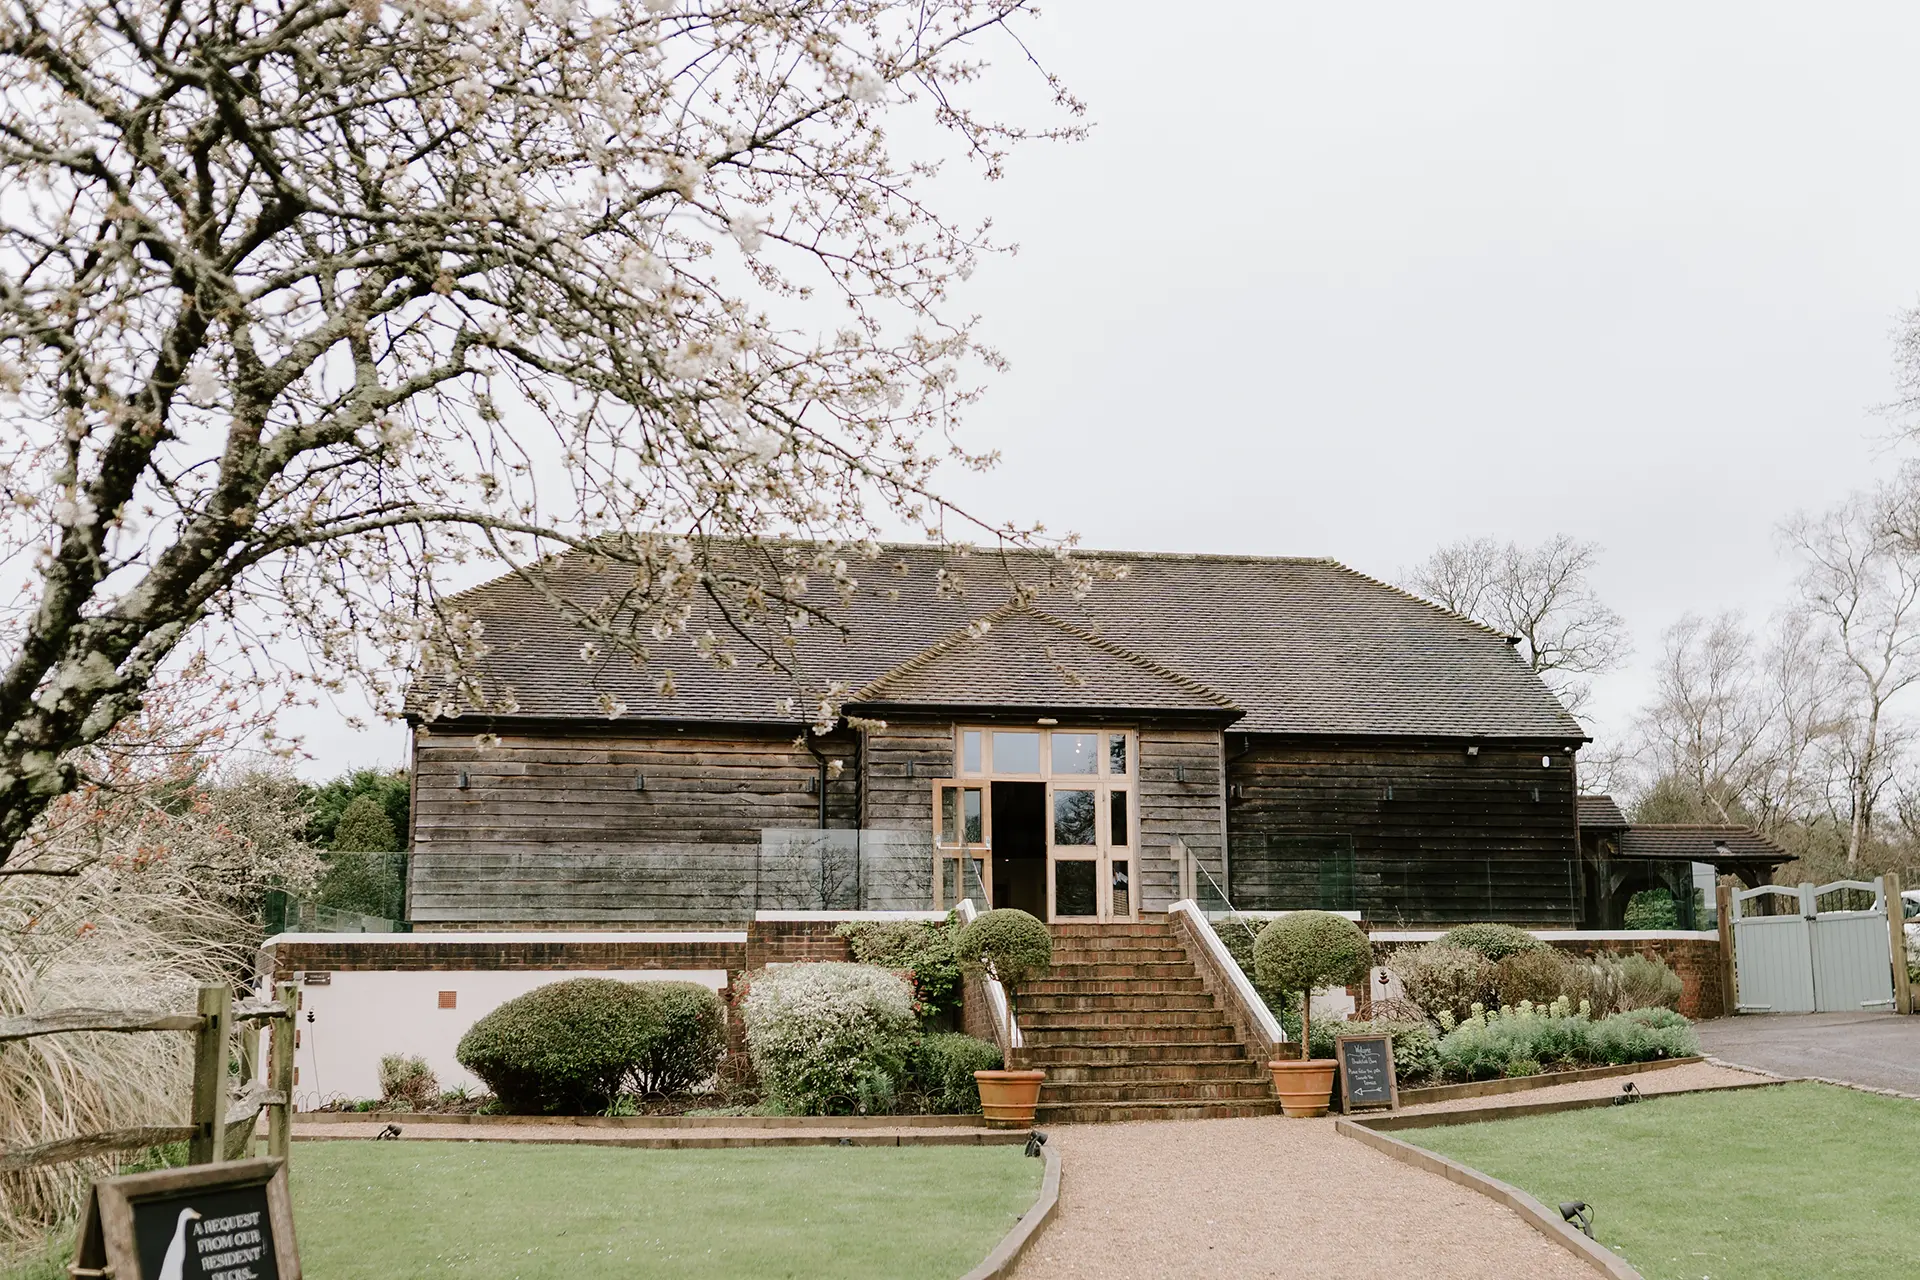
(574, 1047)
(831, 1038)
(923, 948)
(1007, 945)
(686, 1037)
(1494, 941)
(941, 1068)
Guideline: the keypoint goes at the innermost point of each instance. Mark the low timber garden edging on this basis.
(1546, 1079)
(1000, 1261)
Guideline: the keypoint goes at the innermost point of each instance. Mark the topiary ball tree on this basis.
(1303, 950)
(1007, 945)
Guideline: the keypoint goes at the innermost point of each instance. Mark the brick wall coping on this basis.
(830, 917)
(456, 938)
(1564, 935)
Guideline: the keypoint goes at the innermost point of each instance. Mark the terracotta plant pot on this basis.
(1305, 1088)
(1007, 1098)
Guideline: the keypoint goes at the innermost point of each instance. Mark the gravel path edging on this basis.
(974, 1120)
(1515, 1110)
(1531, 1211)
(707, 1140)
(1545, 1080)
(1025, 1231)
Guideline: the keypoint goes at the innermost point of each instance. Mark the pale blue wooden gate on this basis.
(1808, 960)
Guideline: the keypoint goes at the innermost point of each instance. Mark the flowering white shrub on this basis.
(829, 1038)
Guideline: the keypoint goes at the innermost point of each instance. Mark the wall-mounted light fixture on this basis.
(1046, 720)
(813, 785)
(1473, 749)
(1389, 791)
(639, 782)
(464, 782)
(909, 769)
(1536, 795)
(1179, 773)
(1546, 762)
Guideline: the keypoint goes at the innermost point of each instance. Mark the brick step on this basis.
(1085, 1113)
(1049, 1037)
(1135, 1091)
(1084, 1022)
(1118, 955)
(1185, 1004)
(1108, 970)
(1117, 929)
(1112, 987)
(1083, 1052)
(1163, 1071)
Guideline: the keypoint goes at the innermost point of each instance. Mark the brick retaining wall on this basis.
(1696, 960)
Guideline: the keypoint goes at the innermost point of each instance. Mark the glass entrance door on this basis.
(962, 844)
(1089, 815)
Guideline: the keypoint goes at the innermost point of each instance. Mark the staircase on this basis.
(1126, 1031)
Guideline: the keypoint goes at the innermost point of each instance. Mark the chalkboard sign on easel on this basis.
(1366, 1072)
(228, 1221)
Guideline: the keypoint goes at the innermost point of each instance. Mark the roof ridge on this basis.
(1440, 609)
(940, 648)
(1154, 665)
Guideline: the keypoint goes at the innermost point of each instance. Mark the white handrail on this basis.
(996, 994)
(1263, 1019)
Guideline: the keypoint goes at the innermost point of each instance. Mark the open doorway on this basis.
(1020, 846)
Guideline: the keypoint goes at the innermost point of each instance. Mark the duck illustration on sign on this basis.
(174, 1265)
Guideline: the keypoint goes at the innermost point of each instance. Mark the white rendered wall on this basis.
(359, 1016)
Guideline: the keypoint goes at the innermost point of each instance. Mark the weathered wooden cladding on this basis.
(1180, 796)
(659, 823)
(1421, 832)
(898, 766)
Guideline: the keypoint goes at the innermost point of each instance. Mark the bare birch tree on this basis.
(304, 304)
(1744, 728)
(1861, 582)
(1541, 596)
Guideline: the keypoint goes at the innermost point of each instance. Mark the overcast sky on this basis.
(1360, 280)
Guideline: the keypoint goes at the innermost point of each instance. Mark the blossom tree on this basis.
(306, 304)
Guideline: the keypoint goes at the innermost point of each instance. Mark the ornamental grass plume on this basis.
(98, 942)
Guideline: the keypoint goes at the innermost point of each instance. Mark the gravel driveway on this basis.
(1269, 1197)
(1879, 1050)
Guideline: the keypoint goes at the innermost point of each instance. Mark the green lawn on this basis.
(497, 1211)
(1755, 1184)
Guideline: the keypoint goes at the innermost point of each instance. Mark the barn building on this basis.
(1268, 733)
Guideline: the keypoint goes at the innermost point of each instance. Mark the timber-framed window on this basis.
(1069, 798)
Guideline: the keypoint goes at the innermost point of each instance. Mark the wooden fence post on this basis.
(210, 1074)
(1723, 914)
(280, 1073)
(1897, 940)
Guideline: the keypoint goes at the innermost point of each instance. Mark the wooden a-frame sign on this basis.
(227, 1221)
(1367, 1076)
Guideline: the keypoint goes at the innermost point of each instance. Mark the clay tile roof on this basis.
(1699, 844)
(1600, 813)
(1301, 646)
(1018, 656)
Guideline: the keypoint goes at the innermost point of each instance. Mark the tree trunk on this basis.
(1306, 1028)
(1861, 826)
